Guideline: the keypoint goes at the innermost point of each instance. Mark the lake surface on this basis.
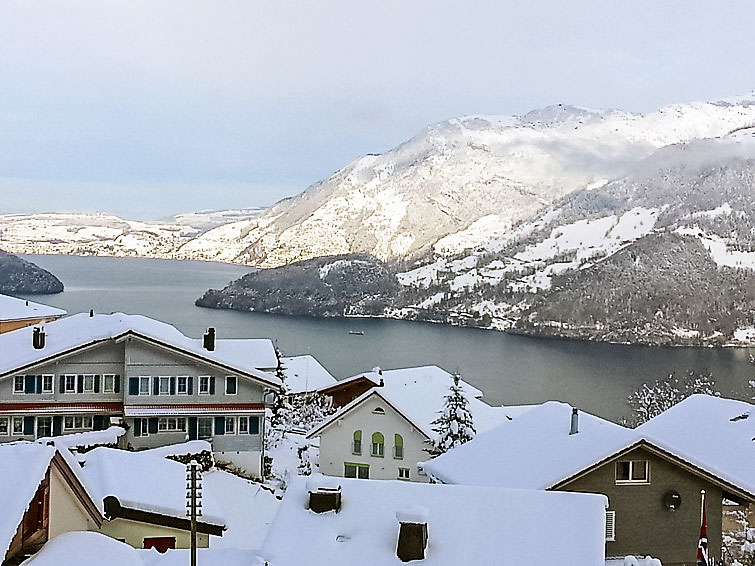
(509, 369)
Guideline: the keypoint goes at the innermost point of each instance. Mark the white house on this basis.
(341, 522)
(386, 431)
(305, 373)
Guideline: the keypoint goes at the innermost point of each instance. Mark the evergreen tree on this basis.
(455, 424)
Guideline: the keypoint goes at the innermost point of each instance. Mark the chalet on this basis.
(653, 486)
(18, 313)
(84, 371)
(44, 495)
(348, 521)
(386, 431)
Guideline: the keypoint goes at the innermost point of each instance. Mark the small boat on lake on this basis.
(356, 332)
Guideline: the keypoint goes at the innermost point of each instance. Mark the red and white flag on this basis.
(702, 545)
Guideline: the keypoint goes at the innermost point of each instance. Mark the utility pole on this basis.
(193, 503)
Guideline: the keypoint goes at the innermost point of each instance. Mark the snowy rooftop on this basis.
(86, 439)
(419, 394)
(366, 528)
(85, 549)
(545, 451)
(146, 482)
(304, 373)
(717, 435)
(26, 464)
(79, 330)
(12, 308)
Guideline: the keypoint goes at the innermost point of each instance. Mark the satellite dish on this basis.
(672, 500)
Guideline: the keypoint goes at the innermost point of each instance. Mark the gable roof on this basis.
(366, 527)
(418, 394)
(12, 308)
(80, 331)
(305, 373)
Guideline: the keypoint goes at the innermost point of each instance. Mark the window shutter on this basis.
(254, 425)
(172, 385)
(133, 386)
(62, 384)
(30, 384)
(152, 425)
(610, 525)
(219, 425)
(192, 427)
(190, 385)
(212, 385)
(57, 425)
(98, 422)
(155, 387)
(230, 385)
(117, 383)
(96, 383)
(28, 426)
(38, 384)
(137, 423)
(80, 384)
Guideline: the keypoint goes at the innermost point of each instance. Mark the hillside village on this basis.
(129, 443)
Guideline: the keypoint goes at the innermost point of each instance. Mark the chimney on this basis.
(38, 338)
(324, 495)
(574, 421)
(91, 313)
(412, 533)
(209, 339)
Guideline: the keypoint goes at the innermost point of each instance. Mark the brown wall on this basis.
(8, 325)
(343, 394)
(643, 525)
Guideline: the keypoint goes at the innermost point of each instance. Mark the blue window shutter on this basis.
(152, 425)
(28, 426)
(172, 385)
(30, 384)
(155, 386)
(212, 385)
(57, 425)
(137, 425)
(219, 425)
(117, 384)
(254, 425)
(38, 384)
(62, 384)
(96, 383)
(133, 386)
(80, 384)
(99, 422)
(192, 427)
(190, 385)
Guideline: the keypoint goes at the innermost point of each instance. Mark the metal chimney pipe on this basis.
(574, 421)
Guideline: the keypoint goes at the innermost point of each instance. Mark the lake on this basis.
(510, 369)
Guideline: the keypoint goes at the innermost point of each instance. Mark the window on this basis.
(4, 426)
(421, 471)
(18, 425)
(398, 447)
(183, 381)
(164, 387)
(18, 384)
(356, 447)
(243, 425)
(109, 383)
(171, 424)
(47, 383)
(44, 426)
(632, 471)
(403, 473)
(70, 382)
(162, 425)
(378, 411)
(361, 471)
(144, 427)
(77, 423)
(89, 383)
(204, 384)
(378, 445)
(230, 425)
(610, 525)
(204, 428)
(254, 425)
(144, 385)
(230, 385)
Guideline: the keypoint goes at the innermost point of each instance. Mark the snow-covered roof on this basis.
(713, 433)
(23, 466)
(305, 373)
(146, 482)
(79, 330)
(418, 393)
(205, 556)
(532, 451)
(366, 528)
(12, 308)
(180, 449)
(87, 439)
(81, 548)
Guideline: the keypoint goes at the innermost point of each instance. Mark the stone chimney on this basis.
(38, 338)
(324, 494)
(574, 429)
(412, 533)
(208, 340)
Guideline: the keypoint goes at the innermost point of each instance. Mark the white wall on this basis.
(66, 512)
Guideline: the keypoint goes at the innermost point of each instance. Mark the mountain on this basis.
(18, 276)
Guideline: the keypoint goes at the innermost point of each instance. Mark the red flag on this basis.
(702, 545)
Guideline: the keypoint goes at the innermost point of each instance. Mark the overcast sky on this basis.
(149, 108)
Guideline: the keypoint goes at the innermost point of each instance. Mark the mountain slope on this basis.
(18, 276)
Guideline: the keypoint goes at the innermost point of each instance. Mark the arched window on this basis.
(356, 447)
(398, 447)
(378, 443)
(379, 411)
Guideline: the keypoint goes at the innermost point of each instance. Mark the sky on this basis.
(149, 108)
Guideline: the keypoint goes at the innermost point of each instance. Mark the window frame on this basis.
(20, 422)
(185, 379)
(398, 447)
(163, 380)
(84, 388)
(69, 379)
(232, 379)
(105, 388)
(203, 379)
(144, 427)
(357, 469)
(38, 425)
(45, 378)
(211, 427)
(229, 421)
(630, 480)
(4, 424)
(406, 475)
(145, 379)
(356, 443)
(16, 389)
(244, 420)
(377, 448)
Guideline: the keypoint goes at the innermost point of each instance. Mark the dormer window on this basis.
(632, 471)
(378, 411)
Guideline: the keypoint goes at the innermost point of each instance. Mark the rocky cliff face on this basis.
(18, 276)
